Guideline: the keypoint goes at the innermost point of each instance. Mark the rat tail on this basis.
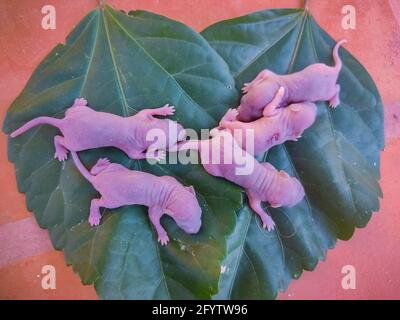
(336, 58)
(35, 122)
(82, 169)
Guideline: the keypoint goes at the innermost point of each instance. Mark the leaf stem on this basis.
(102, 3)
(306, 5)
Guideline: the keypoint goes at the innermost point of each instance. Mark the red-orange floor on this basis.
(374, 251)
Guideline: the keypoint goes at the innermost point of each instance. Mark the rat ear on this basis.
(275, 205)
(283, 174)
(295, 107)
(191, 190)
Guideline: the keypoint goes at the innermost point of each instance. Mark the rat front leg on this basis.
(255, 204)
(335, 100)
(260, 77)
(80, 102)
(165, 110)
(95, 216)
(228, 121)
(155, 214)
(230, 115)
(61, 150)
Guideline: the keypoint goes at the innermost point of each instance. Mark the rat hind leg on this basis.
(95, 215)
(155, 214)
(61, 149)
(255, 204)
(335, 100)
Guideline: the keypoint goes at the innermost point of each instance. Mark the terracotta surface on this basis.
(374, 252)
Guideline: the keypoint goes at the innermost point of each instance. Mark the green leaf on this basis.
(337, 159)
(122, 64)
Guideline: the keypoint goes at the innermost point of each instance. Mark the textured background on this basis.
(374, 251)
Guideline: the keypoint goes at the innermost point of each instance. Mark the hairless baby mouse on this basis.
(119, 186)
(84, 128)
(316, 82)
(276, 126)
(262, 183)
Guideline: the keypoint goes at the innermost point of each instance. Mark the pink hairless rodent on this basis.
(119, 186)
(262, 183)
(84, 128)
(316, 82)
(276, 126)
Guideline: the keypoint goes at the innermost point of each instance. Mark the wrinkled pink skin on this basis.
(119, 186)
(316, 82)
(263, 184)
(84, 128)
(276, 126)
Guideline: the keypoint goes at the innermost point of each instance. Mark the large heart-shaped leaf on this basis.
(337, 160)
(122, 63)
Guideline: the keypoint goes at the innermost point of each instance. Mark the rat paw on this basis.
(231, 115)
(163, 239)
(103, 161)
(61, 154)
(80, 102)
(167, 110)
(268, 223)
(246, 87)
(333, 105)
(94, 219)
(334, 102)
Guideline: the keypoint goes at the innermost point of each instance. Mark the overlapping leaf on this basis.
(121, 64)
(337, 160)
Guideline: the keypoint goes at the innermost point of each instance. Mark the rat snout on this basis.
(193, 229)
(190, 227)
(297, 193)
(310, 114)
(195, 222)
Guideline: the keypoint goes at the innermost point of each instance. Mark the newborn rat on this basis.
(276, 126)
(314, 83)
(261, 183)
(84, 128)
(119, 186)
